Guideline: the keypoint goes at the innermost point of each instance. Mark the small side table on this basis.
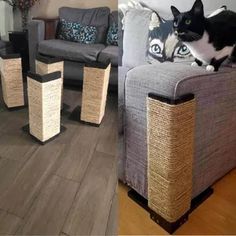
(44, 93)
(94, 97)
(12, 81)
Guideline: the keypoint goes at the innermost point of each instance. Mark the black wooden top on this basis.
(48, 60)
(99, 65)
(6, 56)
(172, 101)
(45, 78)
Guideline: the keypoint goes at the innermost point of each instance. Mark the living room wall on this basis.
(6, 20)
(49, 8)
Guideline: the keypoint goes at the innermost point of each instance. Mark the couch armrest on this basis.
(36, 34)
(215, 137)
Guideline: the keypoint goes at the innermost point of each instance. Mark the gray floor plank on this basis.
(8, 223)
(90, 211)
(108, 134)
(19, 197)
(8, 172)
(112, 225)
(49, 211)
(77, 154)
(18, 147)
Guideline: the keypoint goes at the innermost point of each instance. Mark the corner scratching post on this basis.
(94, 97)
(44, 93)
(170, 138)
(12, 81)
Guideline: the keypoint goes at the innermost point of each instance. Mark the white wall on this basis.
(6, 20)
(184, 5)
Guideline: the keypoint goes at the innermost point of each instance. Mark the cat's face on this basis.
(163, 44)
(189, 26)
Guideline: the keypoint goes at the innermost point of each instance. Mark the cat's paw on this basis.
(194, 64)
(210, 68)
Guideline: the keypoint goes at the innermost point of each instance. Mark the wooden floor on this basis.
(216, 216)
(67, 187)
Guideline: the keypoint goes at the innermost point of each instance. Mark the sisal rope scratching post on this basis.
(44, 93)
(46, 65)
(12, 81)
(170, 138)
(94, 97)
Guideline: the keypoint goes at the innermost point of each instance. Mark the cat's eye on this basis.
(188, 22)
(182, 51)
(155, 48)
(175, 24)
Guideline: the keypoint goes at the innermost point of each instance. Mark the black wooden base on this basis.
(26, 130)
(170, 227)
(75, 116)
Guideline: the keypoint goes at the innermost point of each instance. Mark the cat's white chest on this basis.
(205, 51)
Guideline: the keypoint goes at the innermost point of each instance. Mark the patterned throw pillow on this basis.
(163, 44)
(75, 32)
(88, 35)
(112, 35)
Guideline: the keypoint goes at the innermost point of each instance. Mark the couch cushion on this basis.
(98, 17)
(110, 52)
(70, 50)
(136, 37)
(113, 18)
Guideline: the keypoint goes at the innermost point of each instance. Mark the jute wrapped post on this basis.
(46, 65)
(12, 81)
(94, 97)
(44, 93)
(170, 138)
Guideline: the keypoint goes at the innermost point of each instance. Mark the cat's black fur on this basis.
(221, 29)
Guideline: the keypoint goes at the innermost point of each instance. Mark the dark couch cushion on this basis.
(113, 18)
(70, 50)
(98, 17)
(110, 52)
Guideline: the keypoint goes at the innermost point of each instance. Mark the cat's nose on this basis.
(176, 33)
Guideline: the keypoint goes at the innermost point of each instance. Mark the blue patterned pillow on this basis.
(69, 30)
(88, 34)
(75, 32)
(112, 35)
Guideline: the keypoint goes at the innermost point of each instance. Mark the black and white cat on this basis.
(211, 40)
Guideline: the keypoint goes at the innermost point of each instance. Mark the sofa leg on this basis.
(170, 227)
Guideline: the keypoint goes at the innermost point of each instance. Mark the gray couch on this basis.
(5, 47)
(215, 136)
(75, 54)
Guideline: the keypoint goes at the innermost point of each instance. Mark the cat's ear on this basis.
(175, 11)
(198, 8)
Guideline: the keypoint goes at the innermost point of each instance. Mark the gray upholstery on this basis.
(70, 50)
(5, 47)
(2, 44)
(215, 138)
(121, 124)
(98, 17)
(113, 18)
(136, 37)
(111, 53)
(36, 32)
